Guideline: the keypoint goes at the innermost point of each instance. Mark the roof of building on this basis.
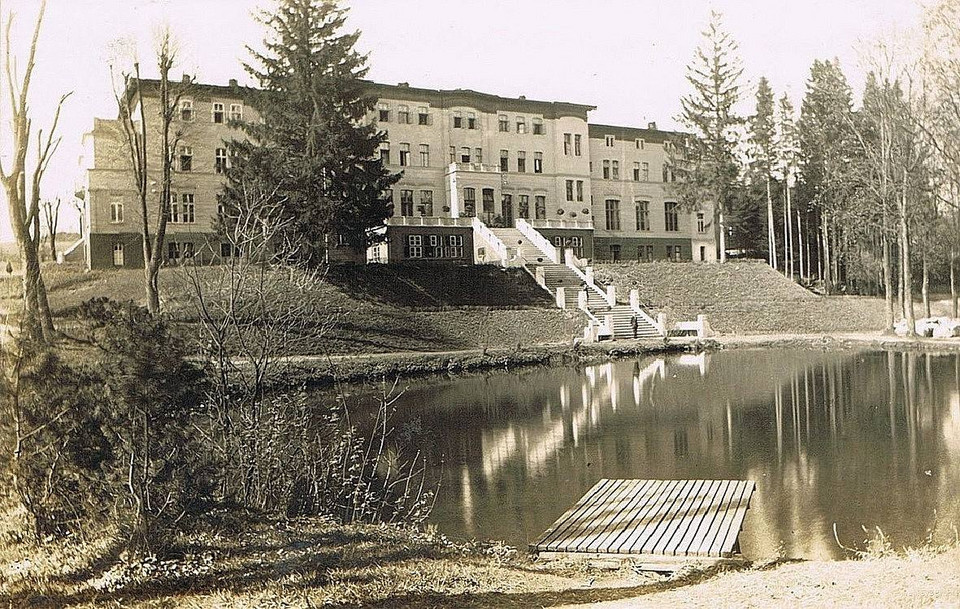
(629, 134)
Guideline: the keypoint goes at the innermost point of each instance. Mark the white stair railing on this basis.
(587, 278)
(635, 307)
(534, 237)
(498, 247)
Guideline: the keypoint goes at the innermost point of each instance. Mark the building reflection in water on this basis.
(869, 439)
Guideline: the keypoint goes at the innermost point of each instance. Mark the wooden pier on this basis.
(660, 524)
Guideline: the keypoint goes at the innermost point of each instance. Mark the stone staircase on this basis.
(621, 315)
(518, 244)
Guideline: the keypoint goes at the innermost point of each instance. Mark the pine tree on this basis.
(710, 168)
(312, 147)
(786, 147)
(825, 155)
(763, 155)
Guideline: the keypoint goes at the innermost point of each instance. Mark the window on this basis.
(173, 251)
(183, 212)
(385, 153)
(469, 202)
(606, 169)
(229, 250)
(616, 170)
(453, 154)
(504, 160)
(478, 155)
(612, 211)
(674, 253)
(701, 223)
(503, 123)
(639, 143)
(403, 114)
(645, 172)
(186, 158)
(384, 112)
(424, 155)
(426, 203)
(569, 190)
(457, 120)
(615, 252)
(186, 109)
(671, 219)
(488, 200)
(465, 154)
(538, 126)
(220, 160)
(236, 112)
(116, 210)
(703, 253)
(566, 144)
(576, 145)
(643, 215)
(117, 254)
(577, 244)
(667, 173)
(406, 202)
(454, 247)
(218, 113)
(636, 172)
(471, 120)
(523, 207)
(404, 155)
(609, 139)
(423, 117)
(648, 256)
(188, 250)
(537, 162)
(521, 161)
(540, 207)
(521, 125)
(388, 199)
(414, 246)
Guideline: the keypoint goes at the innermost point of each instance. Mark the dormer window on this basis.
(218, 113)
(609, 139)
(457, 119)
(236, 112)
(521, 125)
(384, 112)
(186, 109)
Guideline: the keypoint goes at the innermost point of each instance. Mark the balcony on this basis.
(586, 224)
(428, 221)
(475, 167)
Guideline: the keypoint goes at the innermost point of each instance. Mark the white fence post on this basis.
(562, 297)
(634, 299)
(612, 295)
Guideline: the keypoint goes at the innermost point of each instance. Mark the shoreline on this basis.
(318, 371)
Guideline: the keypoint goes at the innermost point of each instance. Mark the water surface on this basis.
(868, 439)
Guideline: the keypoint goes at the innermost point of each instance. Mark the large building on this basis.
(475, 169)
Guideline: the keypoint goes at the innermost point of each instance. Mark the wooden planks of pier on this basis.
(661, 524)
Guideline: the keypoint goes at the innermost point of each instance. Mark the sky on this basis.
(627, 57)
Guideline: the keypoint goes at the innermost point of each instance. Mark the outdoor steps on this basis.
(621, 322)
(515, 240)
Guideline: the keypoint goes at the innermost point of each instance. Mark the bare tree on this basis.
(133, 114)
(24, 207)
(51, 217)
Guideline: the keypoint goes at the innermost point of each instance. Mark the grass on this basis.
(741, 298)
(379, 309)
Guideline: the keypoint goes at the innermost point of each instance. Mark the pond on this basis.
(838, 439)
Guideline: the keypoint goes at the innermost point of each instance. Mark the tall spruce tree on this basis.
(787, 149)
(763, 155)
(710, 168)
(825, 156)
(312, 147)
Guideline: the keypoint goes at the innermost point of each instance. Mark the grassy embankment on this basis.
(745, 297)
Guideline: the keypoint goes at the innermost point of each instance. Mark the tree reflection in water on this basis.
(867, 439)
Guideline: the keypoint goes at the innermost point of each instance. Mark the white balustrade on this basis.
(541, 242)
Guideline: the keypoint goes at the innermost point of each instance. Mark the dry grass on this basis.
(741, 298)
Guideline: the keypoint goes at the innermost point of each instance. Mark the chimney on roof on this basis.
(403, 84)
(523, 97)
(652, 125)
(233, 82)
(185, 79)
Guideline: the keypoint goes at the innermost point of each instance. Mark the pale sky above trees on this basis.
(627, 57)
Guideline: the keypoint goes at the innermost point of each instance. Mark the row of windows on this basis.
(177, 251)
(182, 209)
(434, 246)
(645, 253)
(459, 119)
(506, 204)
(217, 111)
(671, 216)
(576, 147)
(465, 155)
(404, 117)
(610, 140)
(184, 160)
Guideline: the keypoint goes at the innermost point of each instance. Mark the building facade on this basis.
(470, 163)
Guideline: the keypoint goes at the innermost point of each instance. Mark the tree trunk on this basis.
(723, 235)
(800, 246)
(771, 230)
(827, 281)
(887, 283)
(925, 288)
(788, 229)
(905, 262)
(954, 297)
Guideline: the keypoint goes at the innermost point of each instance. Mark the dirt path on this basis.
(920, 581)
